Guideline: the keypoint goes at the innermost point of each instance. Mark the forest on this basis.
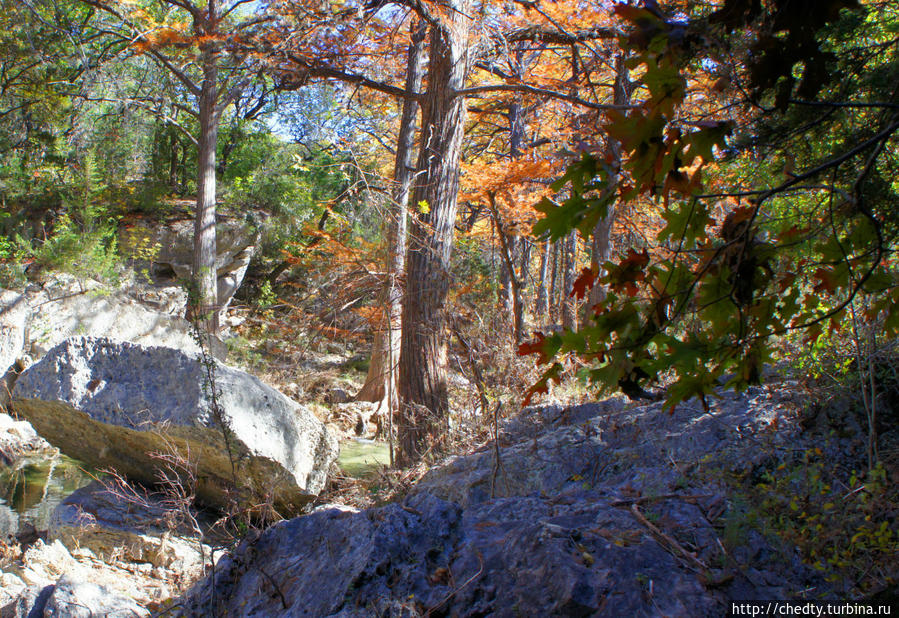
(482, 206)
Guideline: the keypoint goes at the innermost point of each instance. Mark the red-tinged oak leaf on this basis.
(741, 213)
(583, 283)
(630, 270)
(792, 234)
(532, 347)
(540, 388)
(542, 385)
(785, 281)
(826, 282)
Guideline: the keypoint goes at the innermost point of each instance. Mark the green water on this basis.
(33, 486)
(363, 458)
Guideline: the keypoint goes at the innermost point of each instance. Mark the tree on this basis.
(423, 395)
(453, 39)
(202, 45)
(38, 63)
(381, 382)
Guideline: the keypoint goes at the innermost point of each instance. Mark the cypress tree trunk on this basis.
(424, 404)
(205, 303)
(381, 382)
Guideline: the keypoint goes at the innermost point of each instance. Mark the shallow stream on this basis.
(363, 458)
(32, 487)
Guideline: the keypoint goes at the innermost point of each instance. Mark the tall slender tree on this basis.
(381, 383)
(459, 29)
(202, 45)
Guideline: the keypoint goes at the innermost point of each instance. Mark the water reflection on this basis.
(33, 486)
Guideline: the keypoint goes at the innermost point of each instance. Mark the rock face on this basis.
(113, 404)
(18, 439)
(235, 239)
(14, 314)
(29, 582)
(10, 589)
(574, 557)
(616, 447)
(597, 510)
(72, 598)
(64, 308)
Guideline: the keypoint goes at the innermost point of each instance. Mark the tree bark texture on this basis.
(601, 243)
(541, 309)
(511, 284)
(424, 404)
(206, 302)
(381, 383)
(554, 295)
(569, 309)
(524, 274)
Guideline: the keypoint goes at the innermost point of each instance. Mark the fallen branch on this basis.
(456, 591)
(668, 542)
(692, 499)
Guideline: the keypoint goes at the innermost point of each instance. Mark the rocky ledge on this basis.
(609, 509)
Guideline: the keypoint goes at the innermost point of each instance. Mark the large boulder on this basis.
(616, 446)
(120, 405)
(526, 556)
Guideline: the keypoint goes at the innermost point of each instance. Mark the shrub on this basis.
(842, 527)
(87, 252)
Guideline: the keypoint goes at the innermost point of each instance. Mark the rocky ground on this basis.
(607, 509)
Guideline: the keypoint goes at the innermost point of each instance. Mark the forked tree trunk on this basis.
(205, 303)
(424, 404)
(381, 383)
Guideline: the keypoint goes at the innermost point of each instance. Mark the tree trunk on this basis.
(508, 250)
(205, 303)
(381, 382)
(541, 310)
(173, 162)
(511, 282)
(512, 246)
(524, 268)
(424, 404)
(569, 309)
(182, 166)
(601, 244)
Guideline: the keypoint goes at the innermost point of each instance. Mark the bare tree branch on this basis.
(541, 92)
